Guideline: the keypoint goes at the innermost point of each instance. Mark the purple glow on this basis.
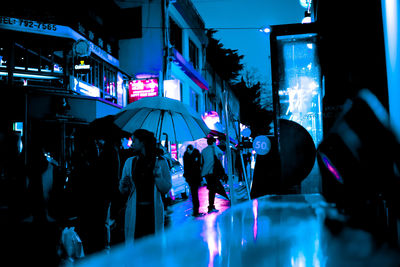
(142, 88)
(331, 168)
(255, 213)
(211, 236)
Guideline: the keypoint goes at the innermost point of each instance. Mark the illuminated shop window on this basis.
(98, 74)
(300, 92)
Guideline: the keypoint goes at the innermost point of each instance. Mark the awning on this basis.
(188, 69)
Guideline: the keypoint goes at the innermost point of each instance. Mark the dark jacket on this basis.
(191, 167)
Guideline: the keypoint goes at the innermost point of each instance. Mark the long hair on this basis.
(149, 141)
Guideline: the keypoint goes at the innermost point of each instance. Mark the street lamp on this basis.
(265, 30)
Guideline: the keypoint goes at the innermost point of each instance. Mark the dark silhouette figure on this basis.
(99, 171)
(192, 174)
(207, 170)
(30, 233)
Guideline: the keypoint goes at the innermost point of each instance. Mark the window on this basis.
(35, 63)
(194, 100)
(110, 83)
(3, 61)
(175, 35)
(98, 74)
(194, 54)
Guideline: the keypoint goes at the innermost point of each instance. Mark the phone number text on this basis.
(27, 23)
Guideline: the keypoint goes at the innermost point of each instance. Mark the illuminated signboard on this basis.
(84, 88)
(174, 151)
(142, 88)
(31, 26)
(82, 67)
(172, 89)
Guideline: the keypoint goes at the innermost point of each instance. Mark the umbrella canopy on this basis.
(105, 128)
(161, 116)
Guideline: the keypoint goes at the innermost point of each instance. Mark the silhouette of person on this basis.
(145, 178)
(30, 233)
(100, 173)
(207, 167)
(192, 174)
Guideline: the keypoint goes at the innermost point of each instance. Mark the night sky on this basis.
(238, 21)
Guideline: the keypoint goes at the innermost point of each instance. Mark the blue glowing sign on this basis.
(262, 145)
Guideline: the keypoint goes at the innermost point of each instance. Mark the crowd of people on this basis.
(111, 196)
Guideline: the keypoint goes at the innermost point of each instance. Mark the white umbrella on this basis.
(162, 115)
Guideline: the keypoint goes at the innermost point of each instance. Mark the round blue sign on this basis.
(262, 145)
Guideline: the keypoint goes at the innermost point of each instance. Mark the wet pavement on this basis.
(181, 209)
(284, 230)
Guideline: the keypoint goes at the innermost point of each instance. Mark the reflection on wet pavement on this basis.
(278, 231)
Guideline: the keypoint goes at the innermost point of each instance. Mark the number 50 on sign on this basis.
(262, 145)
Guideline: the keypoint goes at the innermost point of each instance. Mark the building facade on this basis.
(171, 53)
(61, 68)
(59, 71)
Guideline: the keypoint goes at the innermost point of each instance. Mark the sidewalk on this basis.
(182, 210)
(287, 230)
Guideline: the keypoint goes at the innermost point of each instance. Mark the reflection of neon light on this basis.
(255, 213)
(317, 252)
(211, 238)
(300, 261)
(331, 168)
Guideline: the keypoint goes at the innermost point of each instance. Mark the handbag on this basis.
(72, 243)
(218, 169)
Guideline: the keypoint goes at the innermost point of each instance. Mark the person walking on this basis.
(192, 174)
(145, 177)
(100, 177)
(207, 168)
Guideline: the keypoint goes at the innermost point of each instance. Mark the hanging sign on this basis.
(142, 88)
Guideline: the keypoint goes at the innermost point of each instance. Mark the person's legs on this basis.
(194, 190)
(211, 193)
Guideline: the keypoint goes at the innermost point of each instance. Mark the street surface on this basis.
(287, 230)
(181, 209)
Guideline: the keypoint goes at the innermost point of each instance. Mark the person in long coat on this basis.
(145, 177)
(192, 174)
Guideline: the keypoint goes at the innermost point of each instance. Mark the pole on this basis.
(228, 148)
(165, 44)
(246, 180)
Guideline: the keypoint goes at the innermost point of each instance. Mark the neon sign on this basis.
(174, 151)
(142, 88)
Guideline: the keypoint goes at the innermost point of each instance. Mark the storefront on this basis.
(54, 82)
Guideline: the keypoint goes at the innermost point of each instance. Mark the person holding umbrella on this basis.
(145, 177)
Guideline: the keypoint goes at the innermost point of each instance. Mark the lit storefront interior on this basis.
(300, 90)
